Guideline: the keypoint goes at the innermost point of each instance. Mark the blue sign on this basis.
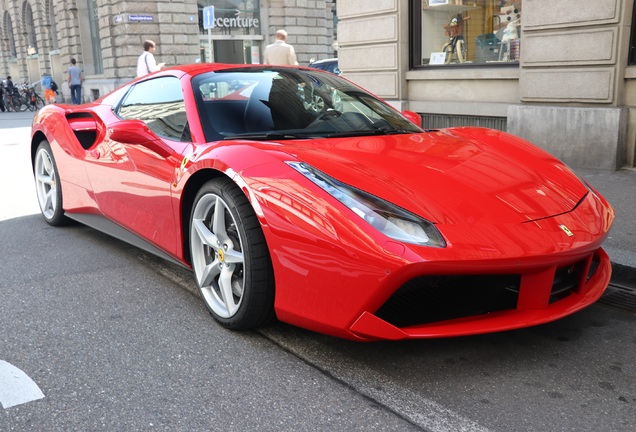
(140, 18)
(208, 17)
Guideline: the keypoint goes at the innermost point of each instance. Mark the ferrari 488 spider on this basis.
(293, 194)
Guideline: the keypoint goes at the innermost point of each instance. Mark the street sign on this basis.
(208, 17)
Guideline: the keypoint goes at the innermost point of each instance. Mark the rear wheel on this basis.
(230, 258)
(460, 47)
(47, 186)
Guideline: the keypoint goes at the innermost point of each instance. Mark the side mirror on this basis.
(413, 117)
(137, 132)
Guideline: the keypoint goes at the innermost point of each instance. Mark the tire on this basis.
(39, 102)
(18, 103)
(230, 258)
(448, 50)
(47, 186)
(461, 50)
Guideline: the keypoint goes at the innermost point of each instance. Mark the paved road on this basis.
(115, 340)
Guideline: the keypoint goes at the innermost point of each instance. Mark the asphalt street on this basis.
(116, 339)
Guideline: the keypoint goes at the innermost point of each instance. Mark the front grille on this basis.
(430, 299)
(439, 121)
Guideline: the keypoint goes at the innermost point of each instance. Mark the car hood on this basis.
(451, 176)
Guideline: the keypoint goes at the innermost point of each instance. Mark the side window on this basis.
(159, 103)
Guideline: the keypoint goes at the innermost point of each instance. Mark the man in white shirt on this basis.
(280, 52)
(146, 62)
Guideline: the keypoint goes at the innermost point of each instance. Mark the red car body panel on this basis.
(500, 203)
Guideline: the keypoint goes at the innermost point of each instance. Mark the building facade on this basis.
(559, 73)
(106, 36)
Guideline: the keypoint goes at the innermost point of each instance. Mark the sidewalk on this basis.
(619, 188)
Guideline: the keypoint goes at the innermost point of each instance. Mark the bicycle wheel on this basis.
(19, 103)
(448, 52)
(35, 102)
(460, 47)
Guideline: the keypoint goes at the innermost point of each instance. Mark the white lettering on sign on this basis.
(236, 22)
(16, 387)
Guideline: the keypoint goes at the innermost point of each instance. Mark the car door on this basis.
(136, 163)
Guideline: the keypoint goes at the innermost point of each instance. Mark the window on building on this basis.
(93, 21)
(9, 36)
(236, 32)
(55, 45)
(159, 103)
(632, 41)
(465, 32)
(32, 40)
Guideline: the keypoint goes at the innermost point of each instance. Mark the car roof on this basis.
(198, 68)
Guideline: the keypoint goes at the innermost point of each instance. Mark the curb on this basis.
(623, 275)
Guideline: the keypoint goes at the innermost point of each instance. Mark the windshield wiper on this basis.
(368, 132)
(266, 136)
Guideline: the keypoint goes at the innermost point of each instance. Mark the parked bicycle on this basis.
(34, 100)
(14, 100)
(22, 97)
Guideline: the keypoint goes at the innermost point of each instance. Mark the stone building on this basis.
(560, 73)
(106, 36)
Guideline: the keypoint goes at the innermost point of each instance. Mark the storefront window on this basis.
(465, 32)
(232, 17)
(236, 33)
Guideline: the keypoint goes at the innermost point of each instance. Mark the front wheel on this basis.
(230, 258)
(448, 52)
(47, 186)
(20, 103)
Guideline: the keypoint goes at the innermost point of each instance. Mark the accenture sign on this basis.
(235, 22)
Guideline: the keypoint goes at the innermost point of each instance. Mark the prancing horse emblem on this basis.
(566, 230)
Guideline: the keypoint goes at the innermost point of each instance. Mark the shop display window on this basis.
(466, 32)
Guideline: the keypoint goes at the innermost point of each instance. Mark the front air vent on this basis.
(429, 299)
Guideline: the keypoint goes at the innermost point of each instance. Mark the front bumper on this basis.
(541, 296)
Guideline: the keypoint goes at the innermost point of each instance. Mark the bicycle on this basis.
(456, 45)
(14, 101)
(35, 101)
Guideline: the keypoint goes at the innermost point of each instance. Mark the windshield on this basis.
(281, 103)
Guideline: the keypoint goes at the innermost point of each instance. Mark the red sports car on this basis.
(294, 194)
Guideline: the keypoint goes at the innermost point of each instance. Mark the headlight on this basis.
(387, 218)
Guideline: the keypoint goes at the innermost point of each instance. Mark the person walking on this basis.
(75, 82)
(280, 52)
(47, 85)
(146, 62)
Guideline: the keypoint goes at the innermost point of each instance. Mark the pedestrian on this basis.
(47, 85)
(10, 86)
(280, 52)
(146, 62)
(75, 82)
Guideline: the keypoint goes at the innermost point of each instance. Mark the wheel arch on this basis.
(194, 183)
(36, 139)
